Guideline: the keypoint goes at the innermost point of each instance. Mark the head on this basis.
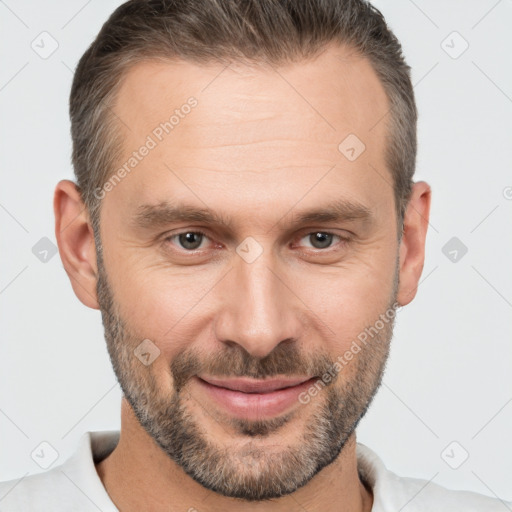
(278, 139)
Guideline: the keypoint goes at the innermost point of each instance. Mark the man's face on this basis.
(268, 292)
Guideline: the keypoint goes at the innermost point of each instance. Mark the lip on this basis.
(254, 399)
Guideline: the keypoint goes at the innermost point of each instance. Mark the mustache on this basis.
(235, 361)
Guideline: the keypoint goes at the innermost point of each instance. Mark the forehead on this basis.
(338, 89)
(252, 127)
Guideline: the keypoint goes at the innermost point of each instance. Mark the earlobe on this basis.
(412, 246)
(75, 239)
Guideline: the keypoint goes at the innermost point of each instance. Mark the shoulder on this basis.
(415, 495)
(73, 485)
(35, 492)
(394, 492)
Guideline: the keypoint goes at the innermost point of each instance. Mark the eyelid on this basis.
(343, 238)
(169, 236)
(306, 232)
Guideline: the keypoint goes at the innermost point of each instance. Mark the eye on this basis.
(321, 239)
(189, 240)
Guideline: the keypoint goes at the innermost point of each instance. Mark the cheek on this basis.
(350, 299)
(169, 307)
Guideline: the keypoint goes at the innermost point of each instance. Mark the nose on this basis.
(258, 310)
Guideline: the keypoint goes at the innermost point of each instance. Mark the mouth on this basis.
(252, 398)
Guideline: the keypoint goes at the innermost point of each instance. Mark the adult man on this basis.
(278, 139)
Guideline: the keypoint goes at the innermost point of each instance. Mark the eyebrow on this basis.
(153, 216)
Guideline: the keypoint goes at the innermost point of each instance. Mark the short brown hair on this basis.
(272, 31)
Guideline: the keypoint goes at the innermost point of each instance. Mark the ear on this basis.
(75, 238)
(412, 246)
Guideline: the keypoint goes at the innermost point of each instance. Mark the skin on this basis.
(260, 147)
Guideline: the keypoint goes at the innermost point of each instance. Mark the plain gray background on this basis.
(447, 393)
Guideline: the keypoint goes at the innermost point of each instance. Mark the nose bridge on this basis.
(258, 309)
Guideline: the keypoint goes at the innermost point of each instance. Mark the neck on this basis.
(138, 476)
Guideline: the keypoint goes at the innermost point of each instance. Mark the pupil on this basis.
(188, 242)
(321, 240)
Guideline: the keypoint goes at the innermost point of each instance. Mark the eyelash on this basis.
(175, 235)
(342, 240)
